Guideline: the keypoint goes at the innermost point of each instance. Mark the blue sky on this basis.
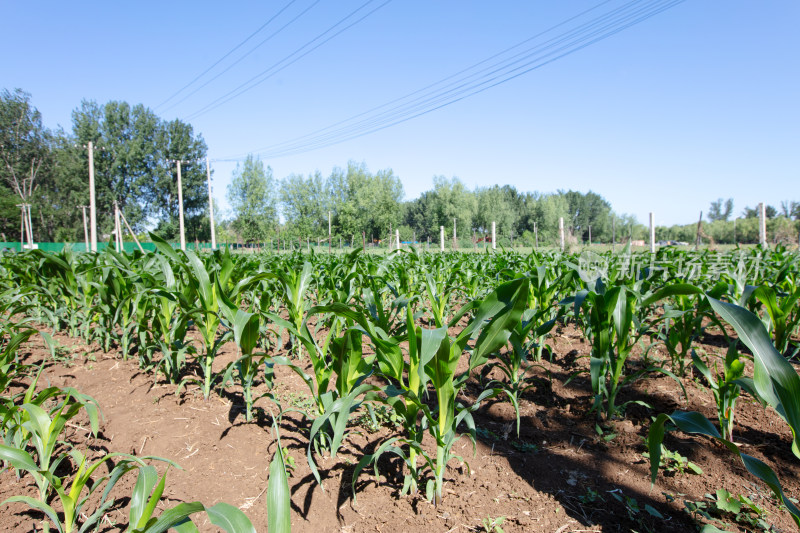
(695, 103)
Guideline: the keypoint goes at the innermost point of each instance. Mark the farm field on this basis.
(514, 392)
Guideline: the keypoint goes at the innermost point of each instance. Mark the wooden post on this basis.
(762, 224)
(397, 238)
(561, 231)
(180, 208)
(117, 232)
(441, 238)
(652, 233)
(494, 235)
(85, 227)
(135, 239)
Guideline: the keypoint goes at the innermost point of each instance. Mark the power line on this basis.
(273, 34)
(232, 50)
(276, 68)
(441, 94)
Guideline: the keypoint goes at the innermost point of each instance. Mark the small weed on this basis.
(641, 515)
(288, 461)
(377, 417)
(62, 354)
(725, 506)
(674, 463)
(605, 433)
(591, 496)
(492, 525)
(299, 401)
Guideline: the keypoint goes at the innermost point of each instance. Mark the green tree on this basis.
(306, 202)
(135, 154)
(25, 154)
(253, 199)
(585, 211)
(496, 204)
(720, 210)
(452, 200)
(366, 202)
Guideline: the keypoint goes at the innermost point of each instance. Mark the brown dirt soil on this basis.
(560, 475)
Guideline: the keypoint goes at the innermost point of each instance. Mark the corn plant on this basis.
(775, 382)
(246, 332)
(147, 494)
(613, 330)
(294, 287)
(726, 386)
(515, 362)
(279, 501)
(783, 312)
(433, 357)
(69, 493)
(44, 430)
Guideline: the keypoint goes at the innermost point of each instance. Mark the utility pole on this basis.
(494, 235)
(85, 227)
(329, 232)
(455, 239)
(180, 207)
(652, 233)
(441, 238)
(211, 207)
(92, 200)
(561, 231)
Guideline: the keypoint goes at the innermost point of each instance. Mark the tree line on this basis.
(134, 160)
(361, 205)
(134, 151)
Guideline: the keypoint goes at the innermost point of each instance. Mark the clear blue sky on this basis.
(698, 102)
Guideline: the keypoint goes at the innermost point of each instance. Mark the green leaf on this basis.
(278, 495)
(728, 502)
(230, 518)
(774, 378)
(19, 459)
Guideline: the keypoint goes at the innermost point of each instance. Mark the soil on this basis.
(565, 472)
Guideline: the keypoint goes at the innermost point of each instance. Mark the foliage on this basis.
(252, 197)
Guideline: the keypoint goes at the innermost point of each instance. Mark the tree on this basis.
(496, 204)
(790, 209)
(720, 210)
(365, 202)
(135, 154)
(24, 150)
(588, 210)
(253, 200)
(452, 200)
(306, 202)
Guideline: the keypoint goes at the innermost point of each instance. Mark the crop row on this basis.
(418, 314)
